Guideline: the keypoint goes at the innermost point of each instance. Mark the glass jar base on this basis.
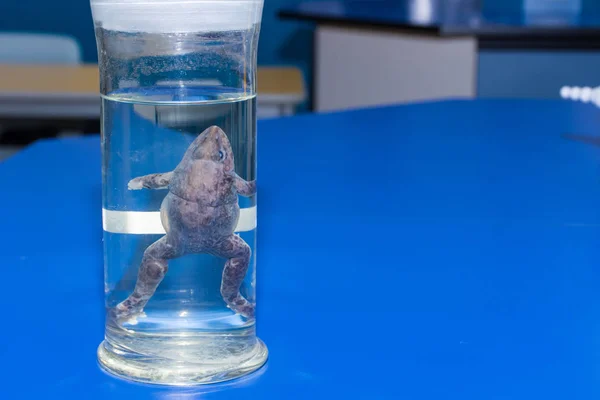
(164, 371)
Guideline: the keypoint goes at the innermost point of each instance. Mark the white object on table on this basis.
(583, 94)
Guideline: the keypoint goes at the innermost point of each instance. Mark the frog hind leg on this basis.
(152, 270)
(237, 252)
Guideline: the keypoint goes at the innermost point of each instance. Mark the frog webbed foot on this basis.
(127, 309)
(240, 305)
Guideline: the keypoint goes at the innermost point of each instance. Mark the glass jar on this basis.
(178, 87)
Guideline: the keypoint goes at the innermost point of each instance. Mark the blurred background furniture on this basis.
(66, 92)
(368, 53)
(365, 53)
(43, 49)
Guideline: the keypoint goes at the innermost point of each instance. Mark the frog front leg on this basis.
(243, 187)
(237, 253)
(152, 181)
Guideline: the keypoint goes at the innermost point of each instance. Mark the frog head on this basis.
(212, 145)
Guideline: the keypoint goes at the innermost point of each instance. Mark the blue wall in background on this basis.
(538, 74)
(285, 42)
(72, 17)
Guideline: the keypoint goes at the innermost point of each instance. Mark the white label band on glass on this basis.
(148, 222)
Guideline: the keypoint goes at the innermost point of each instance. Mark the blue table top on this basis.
(486, 19)
(446, 250)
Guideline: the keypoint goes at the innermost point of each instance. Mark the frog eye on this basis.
(221, 155)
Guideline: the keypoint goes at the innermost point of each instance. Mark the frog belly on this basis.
(197, 223)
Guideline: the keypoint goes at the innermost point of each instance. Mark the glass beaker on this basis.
(178, 83)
